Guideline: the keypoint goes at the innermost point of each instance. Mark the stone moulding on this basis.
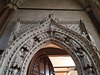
(23, 26)
(16, 58)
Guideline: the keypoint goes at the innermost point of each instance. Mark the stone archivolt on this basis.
(16, 58)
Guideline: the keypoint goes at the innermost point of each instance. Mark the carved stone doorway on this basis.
(16, 58)
(62, 62)
(40, 65)
(52, 60)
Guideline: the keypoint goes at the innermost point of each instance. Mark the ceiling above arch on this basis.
(52, 4)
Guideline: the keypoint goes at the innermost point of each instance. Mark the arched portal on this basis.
(16, 58)
(40, 65)
(62, 62)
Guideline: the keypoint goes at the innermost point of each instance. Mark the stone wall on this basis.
(41, 14)
(27, 12)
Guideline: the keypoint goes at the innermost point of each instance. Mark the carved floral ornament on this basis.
(15, 60)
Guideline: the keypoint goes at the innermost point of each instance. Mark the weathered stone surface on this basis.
(20, 52)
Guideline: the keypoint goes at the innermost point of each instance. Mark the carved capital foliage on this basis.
(15, 2)
(11, 6)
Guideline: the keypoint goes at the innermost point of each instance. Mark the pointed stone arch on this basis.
(16, 58)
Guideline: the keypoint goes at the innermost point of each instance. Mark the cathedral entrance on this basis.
(40, 65)
(17, 58)
(52, 60)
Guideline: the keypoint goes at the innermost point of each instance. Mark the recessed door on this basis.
(40, 65)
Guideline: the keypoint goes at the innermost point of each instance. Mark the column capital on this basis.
(11, 6)
(15, 2)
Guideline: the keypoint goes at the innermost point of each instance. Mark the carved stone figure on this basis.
(29, 45)
(90, 71)
(16, 66)
(75, 45)
(60, 36)
(26, 47)
(43, 36)
(67, 41)
(17, 63)
(85, 59)
(19, 60)
(13, 71)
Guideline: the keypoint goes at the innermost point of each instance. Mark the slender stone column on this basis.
(89, 10)
(5, 16)
(93, 18)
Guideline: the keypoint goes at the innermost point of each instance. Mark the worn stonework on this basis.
(24, 47)
(23, 26)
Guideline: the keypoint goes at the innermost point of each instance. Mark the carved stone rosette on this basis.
(16, 59)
